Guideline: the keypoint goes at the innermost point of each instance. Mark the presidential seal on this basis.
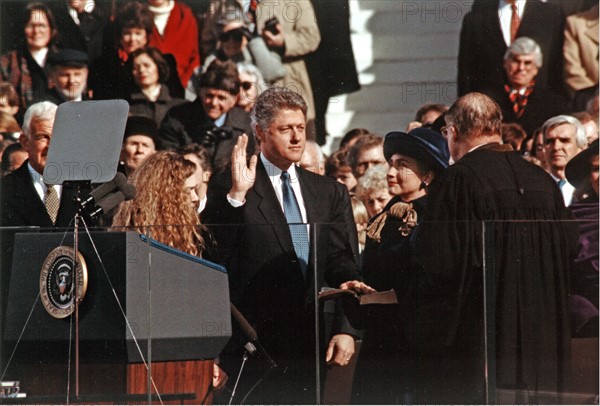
(57, 281)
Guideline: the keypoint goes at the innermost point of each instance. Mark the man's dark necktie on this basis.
(294, 220)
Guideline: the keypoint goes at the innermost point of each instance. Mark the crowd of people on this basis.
(468, 202)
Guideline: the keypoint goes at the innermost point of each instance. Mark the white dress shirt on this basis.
(275, 178)
(505, 15)
(39, 185)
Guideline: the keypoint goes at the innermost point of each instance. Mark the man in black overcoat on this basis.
(489, 311)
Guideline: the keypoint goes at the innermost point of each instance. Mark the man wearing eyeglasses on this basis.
(520, 97)
(490, 312)
(212, 120)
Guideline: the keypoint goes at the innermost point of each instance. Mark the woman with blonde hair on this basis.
(165, 203)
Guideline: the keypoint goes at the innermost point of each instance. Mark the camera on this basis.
(271, 25)
(212, 136)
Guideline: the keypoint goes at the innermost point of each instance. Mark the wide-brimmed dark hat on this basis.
(422, 144)
(578, 168)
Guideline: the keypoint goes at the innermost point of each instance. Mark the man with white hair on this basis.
(313, 158)
(564, 137)
(520, 97)
(25, 199)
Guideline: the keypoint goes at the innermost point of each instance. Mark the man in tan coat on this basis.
(295, 36)
(581, 50)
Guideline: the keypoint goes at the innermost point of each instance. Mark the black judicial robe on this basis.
(492, 211)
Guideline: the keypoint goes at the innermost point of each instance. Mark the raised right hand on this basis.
(242, 174)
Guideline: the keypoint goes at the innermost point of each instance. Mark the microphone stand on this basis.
(78, 200)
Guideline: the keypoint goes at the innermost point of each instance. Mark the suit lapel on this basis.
(592, 29)
(491, 26)
(268, 205)
(31, 205)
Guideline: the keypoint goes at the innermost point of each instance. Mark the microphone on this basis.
(101, 191)
(253, 346)
(108, 203)
(128, 190)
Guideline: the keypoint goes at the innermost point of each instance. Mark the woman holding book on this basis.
(383, 373)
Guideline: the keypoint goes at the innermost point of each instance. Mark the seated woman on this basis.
(252, 85)
(110, 75)
(150, 96)
(165, 209)
(372, 189)
(24, 66)
(415, 159)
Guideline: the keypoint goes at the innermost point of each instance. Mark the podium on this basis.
(144, 302)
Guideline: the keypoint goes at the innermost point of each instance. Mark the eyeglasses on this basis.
(246, 85)
(236, 35)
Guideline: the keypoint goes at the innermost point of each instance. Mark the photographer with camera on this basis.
(212, 120)
(289, 27)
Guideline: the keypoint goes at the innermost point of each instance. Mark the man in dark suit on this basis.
(212, 120)
(520, 97)
(275, 262)
(485, 35)
(23, 193)
(25, 200)
(80, 24)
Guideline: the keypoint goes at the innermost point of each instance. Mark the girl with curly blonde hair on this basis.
(165, 203)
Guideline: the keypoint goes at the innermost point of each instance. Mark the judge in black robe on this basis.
(490, 307)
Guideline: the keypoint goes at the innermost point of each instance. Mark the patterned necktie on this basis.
(51, 202)
(294, 220)
(514, 20)
(519, 100)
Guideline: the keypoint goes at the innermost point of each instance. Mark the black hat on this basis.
(578, 168)
(141, 125)
(421, 144)
(68, 57)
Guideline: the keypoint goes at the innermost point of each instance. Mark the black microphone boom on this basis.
(128, 190)
(253, 346)
(101, 191)
(108, 203)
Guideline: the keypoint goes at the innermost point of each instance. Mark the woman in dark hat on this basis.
(582, 172)
(415, 159)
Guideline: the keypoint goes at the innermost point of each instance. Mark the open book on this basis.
(386, 297)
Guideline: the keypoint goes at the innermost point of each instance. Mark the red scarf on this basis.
(519, 100)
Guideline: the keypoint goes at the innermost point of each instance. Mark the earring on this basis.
(423, 185)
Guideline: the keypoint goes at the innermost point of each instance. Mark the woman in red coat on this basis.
(175, 32)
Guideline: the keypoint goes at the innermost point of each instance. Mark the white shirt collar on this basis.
(38, 183)
(39, 56)
(221, 120)
(274, 174)
(202, 204)
(88, 8)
